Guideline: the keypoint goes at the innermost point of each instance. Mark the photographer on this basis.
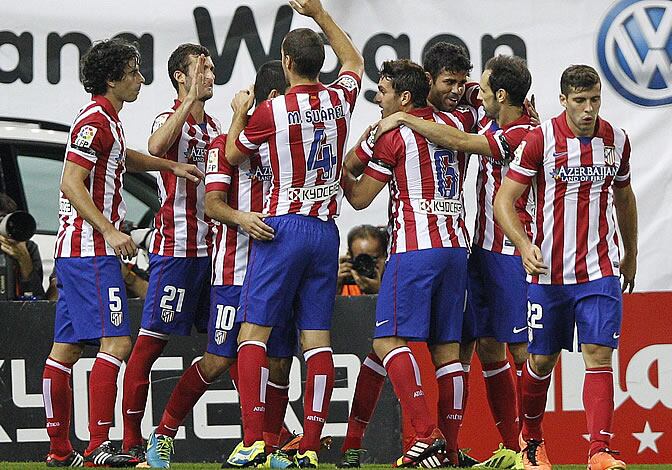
(360, 271)
(26, 256)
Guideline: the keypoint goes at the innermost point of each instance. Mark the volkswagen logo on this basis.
(634, 49)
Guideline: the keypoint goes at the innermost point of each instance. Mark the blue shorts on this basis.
(91, 300)
(422, 295)
(496, 297)
(178, 295)
(295, 272)
(595, 307)
(223, 329)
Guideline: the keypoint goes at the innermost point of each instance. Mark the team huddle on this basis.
(245, 248)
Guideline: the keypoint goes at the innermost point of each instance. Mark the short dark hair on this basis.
(578, 78)
(306, 49)
(7, 204)
(106, 61)
(446, 56)
(368, 231)
(510, 73)
(406, 75)
(269, 77)
(180, 58)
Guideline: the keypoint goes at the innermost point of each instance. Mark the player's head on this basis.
(505, 82)
(270, 82)
(581, 96)
(302, 54)
(112, 66)
(402, 86)
(448, 67)
(182, 66)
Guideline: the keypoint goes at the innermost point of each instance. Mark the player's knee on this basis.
(212, 366)
(519, 352)
(466, 352)
(595, 355)
(490, 350)
(67, 353)
(117, 346)
(444, 353)
(279, 369)
(382, 346)
(543, 364)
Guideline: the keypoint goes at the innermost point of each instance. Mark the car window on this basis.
(41, 176)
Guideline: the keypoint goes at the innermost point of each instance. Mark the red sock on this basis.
(277, 398)
(252, 378)
(519, 394)
(450, 379)
(465, 394)
(598, 401)
(102, 397)
(535, 390)
(403, 371)
(319, 385)
(370, 383)
(501, 392)
(191, 386)
(147, 349)
(57, 395)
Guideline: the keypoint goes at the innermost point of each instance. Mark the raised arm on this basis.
(345, 50)
(241, 104)
(442, 135)
(165, 135)
(626, 212)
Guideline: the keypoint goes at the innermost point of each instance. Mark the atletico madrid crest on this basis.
(609, 155)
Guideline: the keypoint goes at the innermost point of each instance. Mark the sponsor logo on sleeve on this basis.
(160, 121)
(64, 207)
(518, 154)
(347, 82)
(213, 161)
(85, 137)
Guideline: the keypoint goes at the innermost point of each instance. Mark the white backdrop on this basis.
(555, 35)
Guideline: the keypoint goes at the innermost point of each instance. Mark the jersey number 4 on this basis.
(321, 156)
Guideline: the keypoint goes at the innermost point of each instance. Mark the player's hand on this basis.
(189, 171)
(387, 124)
(628, 271)
(310, 8)
(199, 87)
(121, 243)
(366, 284)
(532, 260)
(243, 100)
(531, 110)
(253, 224)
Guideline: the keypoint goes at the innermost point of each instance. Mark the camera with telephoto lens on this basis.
(364, 265)
(19, 226)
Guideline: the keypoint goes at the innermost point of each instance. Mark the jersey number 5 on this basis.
(321, 156)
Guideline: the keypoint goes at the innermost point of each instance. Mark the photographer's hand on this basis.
(19, 252)
(344, 269)
(366, 284)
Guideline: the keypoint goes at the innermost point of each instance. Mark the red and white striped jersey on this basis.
(96, 143)
(573, 178)
(181, 224)
(302, 136)
(245, 187)
(491, 169)
(425, 183)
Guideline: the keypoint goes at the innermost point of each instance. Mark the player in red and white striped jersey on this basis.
(179, 265)
(497, 288)
(578, 166)
(302, 137)
(92, 295)
(429, 240)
